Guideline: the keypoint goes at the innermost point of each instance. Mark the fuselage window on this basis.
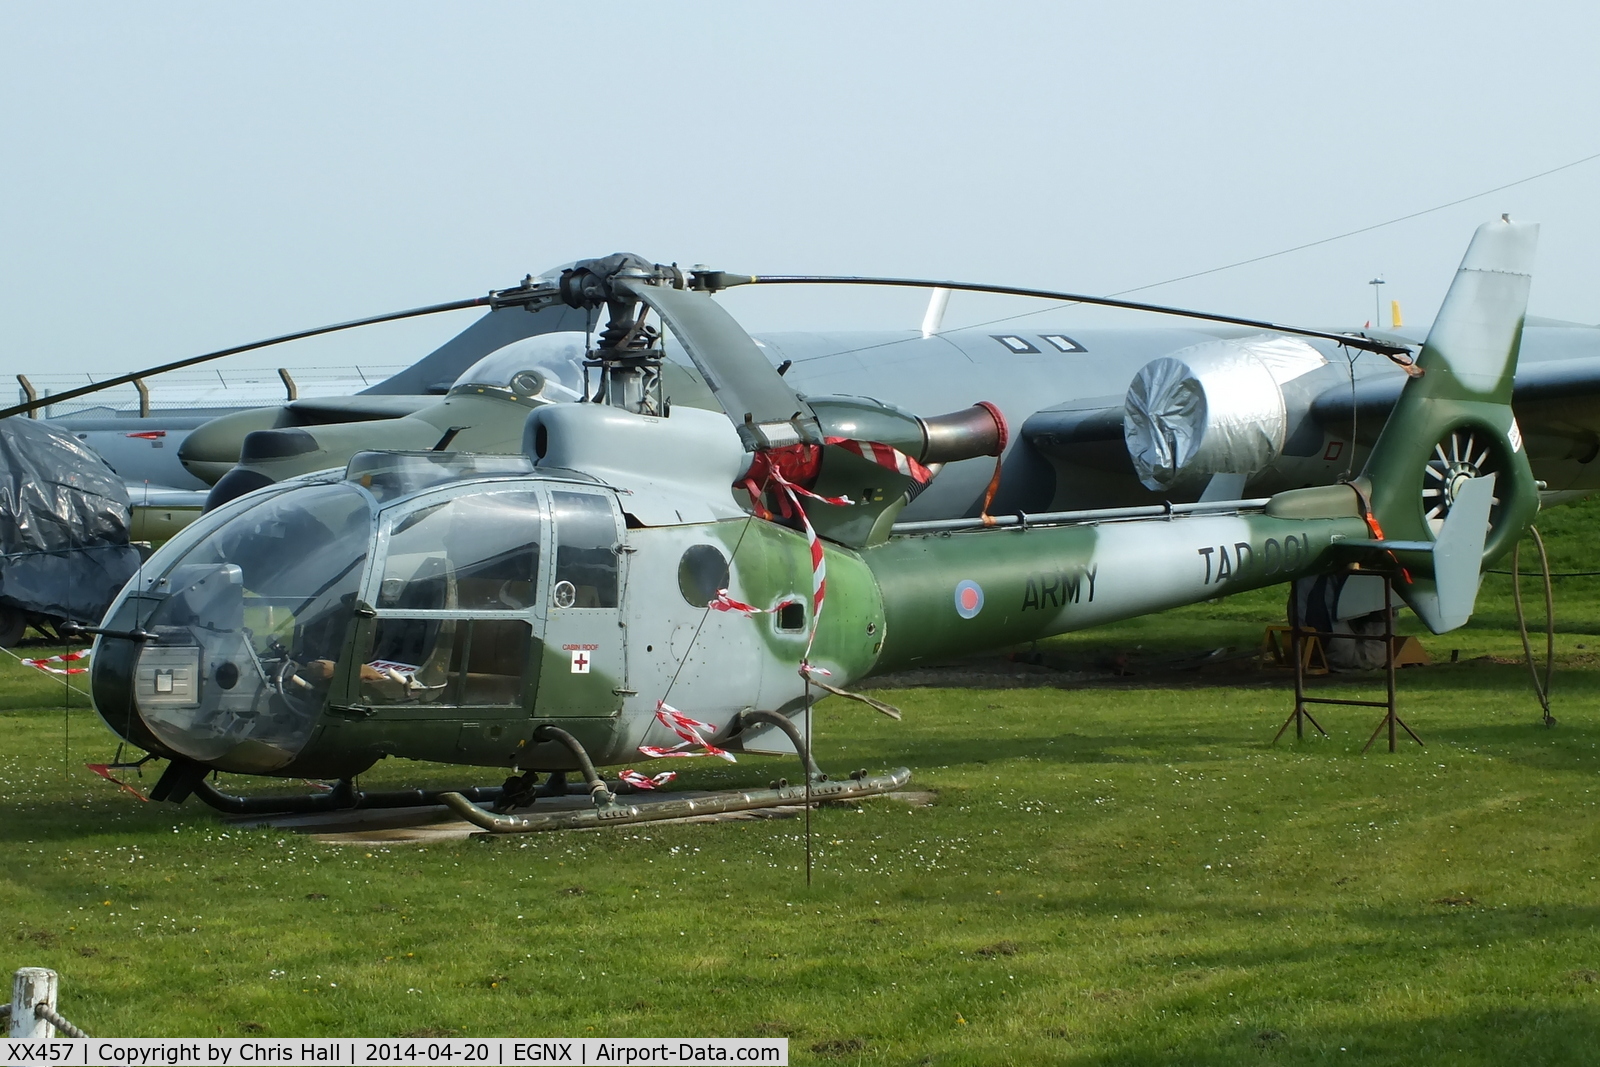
(586, 551)
(791, 617)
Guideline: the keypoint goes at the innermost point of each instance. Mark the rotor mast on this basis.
(627, 353)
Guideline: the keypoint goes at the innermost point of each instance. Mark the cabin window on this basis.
(410, 661)
(487, 661)
(473, 662)
(586, 551)
(472, 553)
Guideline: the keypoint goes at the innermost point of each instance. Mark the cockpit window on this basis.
(548, 366)
(286, 572)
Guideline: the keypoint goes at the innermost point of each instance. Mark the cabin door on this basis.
(585, 668)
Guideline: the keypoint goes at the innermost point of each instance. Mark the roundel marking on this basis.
(969, 598)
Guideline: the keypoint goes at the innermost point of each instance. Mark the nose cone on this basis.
(211, 450)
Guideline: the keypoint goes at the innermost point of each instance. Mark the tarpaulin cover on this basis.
(63, 524)
(1212, 408)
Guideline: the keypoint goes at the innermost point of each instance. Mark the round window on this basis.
(702, 573)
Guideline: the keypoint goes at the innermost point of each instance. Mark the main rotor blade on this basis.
(764, 408)
(73, 394)
(719, 280)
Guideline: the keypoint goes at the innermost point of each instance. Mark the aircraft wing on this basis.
(1537, 384)
(1542, 391)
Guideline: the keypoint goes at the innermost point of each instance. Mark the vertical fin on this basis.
(1468, 365)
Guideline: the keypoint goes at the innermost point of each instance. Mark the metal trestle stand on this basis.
(1298, 633)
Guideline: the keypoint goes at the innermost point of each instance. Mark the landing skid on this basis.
(343, 797)
(617, 814)
(607, 811)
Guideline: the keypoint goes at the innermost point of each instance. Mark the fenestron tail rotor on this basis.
(1465, 452)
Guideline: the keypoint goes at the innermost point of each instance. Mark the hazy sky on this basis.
(178, 178)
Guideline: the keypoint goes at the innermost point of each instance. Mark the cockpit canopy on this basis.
(247, 621)
(548, 366)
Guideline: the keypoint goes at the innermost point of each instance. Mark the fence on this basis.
(201, 389)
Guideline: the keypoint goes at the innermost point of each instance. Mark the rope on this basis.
(876, 705)
(43, 1011)
(1558, 574)
(1541, 687)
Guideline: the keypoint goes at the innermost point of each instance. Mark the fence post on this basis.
(32, 985)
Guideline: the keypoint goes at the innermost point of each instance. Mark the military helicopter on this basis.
(551, 612)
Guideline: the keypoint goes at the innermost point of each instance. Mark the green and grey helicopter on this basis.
(651, 579)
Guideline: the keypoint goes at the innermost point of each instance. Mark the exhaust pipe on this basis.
(976, 431)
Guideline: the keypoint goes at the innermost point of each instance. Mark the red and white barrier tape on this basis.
(724, 602)
(642, 781)
(688, 729)
(104, 771)
(68, 657)
(885, 456)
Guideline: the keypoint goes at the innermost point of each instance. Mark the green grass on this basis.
(1109, 875)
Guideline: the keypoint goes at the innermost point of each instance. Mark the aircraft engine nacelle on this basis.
(1214, 408)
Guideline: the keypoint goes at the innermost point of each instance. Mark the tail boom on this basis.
(953, 594)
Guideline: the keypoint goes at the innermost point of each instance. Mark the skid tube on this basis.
(343, 797)
(624, 814)
(608, 812)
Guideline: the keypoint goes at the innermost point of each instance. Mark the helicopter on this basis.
(650, 579)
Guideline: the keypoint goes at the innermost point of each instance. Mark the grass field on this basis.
(1123, 873)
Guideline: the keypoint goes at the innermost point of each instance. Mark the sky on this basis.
(176, 178)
